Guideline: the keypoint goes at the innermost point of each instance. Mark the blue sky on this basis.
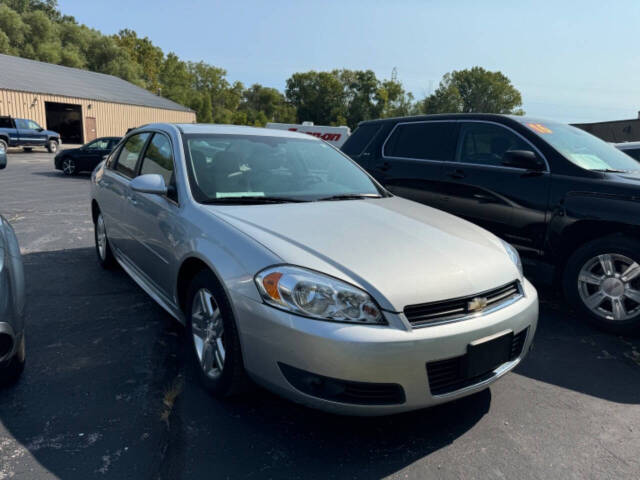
(571, 60)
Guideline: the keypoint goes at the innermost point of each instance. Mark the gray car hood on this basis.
(401, 252)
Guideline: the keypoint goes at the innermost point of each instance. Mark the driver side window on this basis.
(33, 125)
(486, 144)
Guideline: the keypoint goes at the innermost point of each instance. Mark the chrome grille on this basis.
(445, 311)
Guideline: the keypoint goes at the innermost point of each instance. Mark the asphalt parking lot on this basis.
(107, 392)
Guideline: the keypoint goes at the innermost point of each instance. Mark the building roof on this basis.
(46, 78)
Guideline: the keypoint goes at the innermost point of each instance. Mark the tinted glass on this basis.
(427, 140)
(33, 125)
(100, 144)
(21, 123)
(129, 154)
(225, 166)
(486, 144)
(582, 148)
(5, 122)
(633, 153)
(357, 142)
(159, 159)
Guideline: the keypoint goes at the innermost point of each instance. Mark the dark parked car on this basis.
(85, 158)
(561, 196)
(22, 132)
(630, 148)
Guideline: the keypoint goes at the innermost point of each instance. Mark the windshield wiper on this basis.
(610, 170)
(251, 199)
(349, 196)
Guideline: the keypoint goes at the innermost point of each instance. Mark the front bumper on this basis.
(372, 354)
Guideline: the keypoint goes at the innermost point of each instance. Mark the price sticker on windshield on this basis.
(538, 127)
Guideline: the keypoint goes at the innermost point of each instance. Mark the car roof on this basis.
(502, 118)
(627, 145)
(204, 128)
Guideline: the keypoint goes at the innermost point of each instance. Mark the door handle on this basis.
(456, 174)
(132, 199)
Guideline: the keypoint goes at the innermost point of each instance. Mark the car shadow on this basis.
(570, 353)
(107, 392)
(58, 173)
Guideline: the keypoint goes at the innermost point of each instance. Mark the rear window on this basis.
(423, 140)
(5, 122)
(359, 140)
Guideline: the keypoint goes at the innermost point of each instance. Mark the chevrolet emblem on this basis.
(476, 304)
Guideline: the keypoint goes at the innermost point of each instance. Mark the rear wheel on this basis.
(69, 166)
(3, 145)
(103, 249)
(215, 345)
(52, 146)
(602, 280)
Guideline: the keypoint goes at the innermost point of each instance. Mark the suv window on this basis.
(486, 144)
(21, 123)
(159, 159)
(423, 140)
(633, 152)
(357, 142)
(128, 157)
(33, 125)
(5, 122)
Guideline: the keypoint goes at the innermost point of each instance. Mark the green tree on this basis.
(317, 97)
(474, 90)
(145, 54)
(264, 104)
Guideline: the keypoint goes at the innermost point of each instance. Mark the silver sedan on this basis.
(12, 302)
(290, 266)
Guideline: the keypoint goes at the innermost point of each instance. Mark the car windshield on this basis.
(582, 148)
(237, 168)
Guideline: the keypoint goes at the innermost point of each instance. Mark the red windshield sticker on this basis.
(538, 127)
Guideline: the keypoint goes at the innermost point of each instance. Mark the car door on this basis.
(510, 202)
(154, 219)
(38, 134)
(27, 136)
(91, 154)
(115, 192)
(411, 164)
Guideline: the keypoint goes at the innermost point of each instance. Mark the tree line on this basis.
(38, 30)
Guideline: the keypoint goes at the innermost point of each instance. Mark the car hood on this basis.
(401, 252)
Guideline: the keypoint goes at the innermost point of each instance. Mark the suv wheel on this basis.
(212, 332)
(103, 249)
(3, 145)
(602, 280)
(52, 146)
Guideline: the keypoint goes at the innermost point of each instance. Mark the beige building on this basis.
(78, 104)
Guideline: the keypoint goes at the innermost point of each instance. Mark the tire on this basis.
(27, 149)
(11, 371)
(231, 379)
(602, 281)
(52, 146)
(3, 145)
(69, 166)
(103, 248)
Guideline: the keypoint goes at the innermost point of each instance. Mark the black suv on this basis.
(561, 196)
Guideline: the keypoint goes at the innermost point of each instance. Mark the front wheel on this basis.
(103, 249)
(212, 332)
(602, 281)
(52, 146)
(69, 166)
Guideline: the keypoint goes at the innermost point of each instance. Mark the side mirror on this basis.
(522, 159)
(149, 183)
(3, 159)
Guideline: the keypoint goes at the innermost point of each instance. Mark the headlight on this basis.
(315, 295)
(513, 255)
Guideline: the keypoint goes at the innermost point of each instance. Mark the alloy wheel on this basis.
(101, 238)
(208, 331)
(609, 286)
(68, 166)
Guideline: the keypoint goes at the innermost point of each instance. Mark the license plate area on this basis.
(487, 354)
